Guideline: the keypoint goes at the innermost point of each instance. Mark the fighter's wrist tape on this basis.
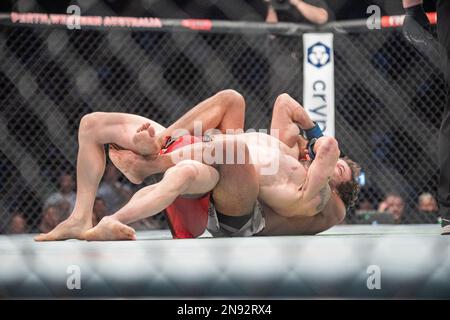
(313, 133)
(311, 152)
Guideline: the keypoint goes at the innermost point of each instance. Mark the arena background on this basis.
(388, 97)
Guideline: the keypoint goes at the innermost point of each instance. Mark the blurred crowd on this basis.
(394, 209)
(111, 196)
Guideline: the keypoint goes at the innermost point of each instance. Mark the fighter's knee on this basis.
(90, 121)
(232, 98)
(185, 172)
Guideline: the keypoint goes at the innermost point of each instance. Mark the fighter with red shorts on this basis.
(187, 215)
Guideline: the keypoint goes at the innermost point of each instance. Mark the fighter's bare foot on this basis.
(69, 229)
(129, 163)
(110, 229)
(145, 140)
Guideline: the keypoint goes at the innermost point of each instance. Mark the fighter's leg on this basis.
(117, 128)
(187, 177)
(136, 168)
(285, 118)
(225, 110)
(95, 130)
(238, 187)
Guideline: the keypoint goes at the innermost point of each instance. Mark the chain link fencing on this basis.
(388, 101)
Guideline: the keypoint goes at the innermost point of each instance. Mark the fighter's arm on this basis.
(316, 191)
(287, 115)
(333, 214)
(314, 14)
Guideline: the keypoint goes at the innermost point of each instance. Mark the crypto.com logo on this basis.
(319, 55)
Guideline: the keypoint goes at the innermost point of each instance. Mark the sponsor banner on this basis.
(318, 80)
(96, 21)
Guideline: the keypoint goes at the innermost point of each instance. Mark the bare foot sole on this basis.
(127, 162)
(68, 229)
(108, 230)
(145, 141)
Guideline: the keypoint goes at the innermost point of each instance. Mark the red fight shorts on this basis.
(188, 217)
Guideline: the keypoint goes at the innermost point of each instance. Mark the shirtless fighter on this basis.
(295, 193)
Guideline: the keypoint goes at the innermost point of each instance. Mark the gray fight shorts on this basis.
(220, 225)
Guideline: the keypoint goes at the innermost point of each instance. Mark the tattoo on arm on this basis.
(324, 195)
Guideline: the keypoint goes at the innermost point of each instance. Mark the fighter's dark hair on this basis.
(349, 190)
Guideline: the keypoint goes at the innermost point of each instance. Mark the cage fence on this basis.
(388, 98)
